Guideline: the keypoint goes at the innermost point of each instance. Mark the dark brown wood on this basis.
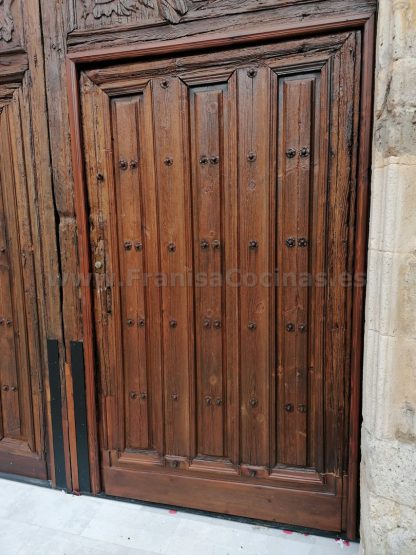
(297, 119)
(83, 243)
(283, 505)
(221, 28)
(209, 121)
(203, 386)
(360, 267)
(27, 312)
(254, 224)
(197, 440)
(209, 141)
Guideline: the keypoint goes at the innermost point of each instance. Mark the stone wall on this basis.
(388, 471)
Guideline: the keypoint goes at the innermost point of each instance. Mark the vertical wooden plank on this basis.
(340, 281)
(364, 57)
(104, 246)
(150, 231)
(128, 186)
(207, 159)
(296, 123)
(332, 332)
(10, 411)
(30, 367)
(124, 238)
(318, 285)
(81, 172)
(231, 263)
(47, 301)
(170, 125)
(10, 283)
(255, 261)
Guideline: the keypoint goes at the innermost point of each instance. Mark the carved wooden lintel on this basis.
(171, 10)
(6, 20)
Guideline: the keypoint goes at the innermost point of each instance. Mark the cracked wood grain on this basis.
(6, 20)
(170, 10)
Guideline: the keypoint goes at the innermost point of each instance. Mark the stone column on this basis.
(388, 471)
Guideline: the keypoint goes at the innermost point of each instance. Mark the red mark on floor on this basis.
(287, 532)
(343, 543)
(172, 512)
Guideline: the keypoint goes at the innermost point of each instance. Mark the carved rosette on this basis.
(6, 20)
(171, 10)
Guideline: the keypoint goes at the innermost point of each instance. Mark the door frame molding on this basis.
(76, 60)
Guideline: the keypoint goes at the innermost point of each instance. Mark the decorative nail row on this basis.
(290, 407)
(124, 166)
(216, 245)
(301, 242)
(140, 323)
(303, 152)
(204, 160)
(207, 323)
(128, 246)
(210, 401)
(134, 395)
(290, 327)
(213, 160)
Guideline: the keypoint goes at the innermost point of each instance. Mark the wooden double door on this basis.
(222, 206)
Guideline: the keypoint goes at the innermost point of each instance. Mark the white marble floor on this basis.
(36, 520)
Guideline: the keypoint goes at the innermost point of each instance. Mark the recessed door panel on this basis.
(208, 117)
(21, 406)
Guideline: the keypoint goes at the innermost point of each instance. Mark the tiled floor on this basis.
(36, 520)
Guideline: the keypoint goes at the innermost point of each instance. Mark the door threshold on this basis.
(233, 518)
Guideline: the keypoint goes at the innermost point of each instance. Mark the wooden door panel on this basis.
(208, 155)
(9, 403)
(21, 412)
(221, 206)
(298, 117)
(254, 226)
(174, 212)
(125, 125)
(340, 235)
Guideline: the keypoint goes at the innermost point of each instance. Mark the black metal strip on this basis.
(80, 409)
(56, 413)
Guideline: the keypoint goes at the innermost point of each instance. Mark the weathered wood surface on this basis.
(213, 17)
(54, 223)
(29, 258)
(282, 115)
